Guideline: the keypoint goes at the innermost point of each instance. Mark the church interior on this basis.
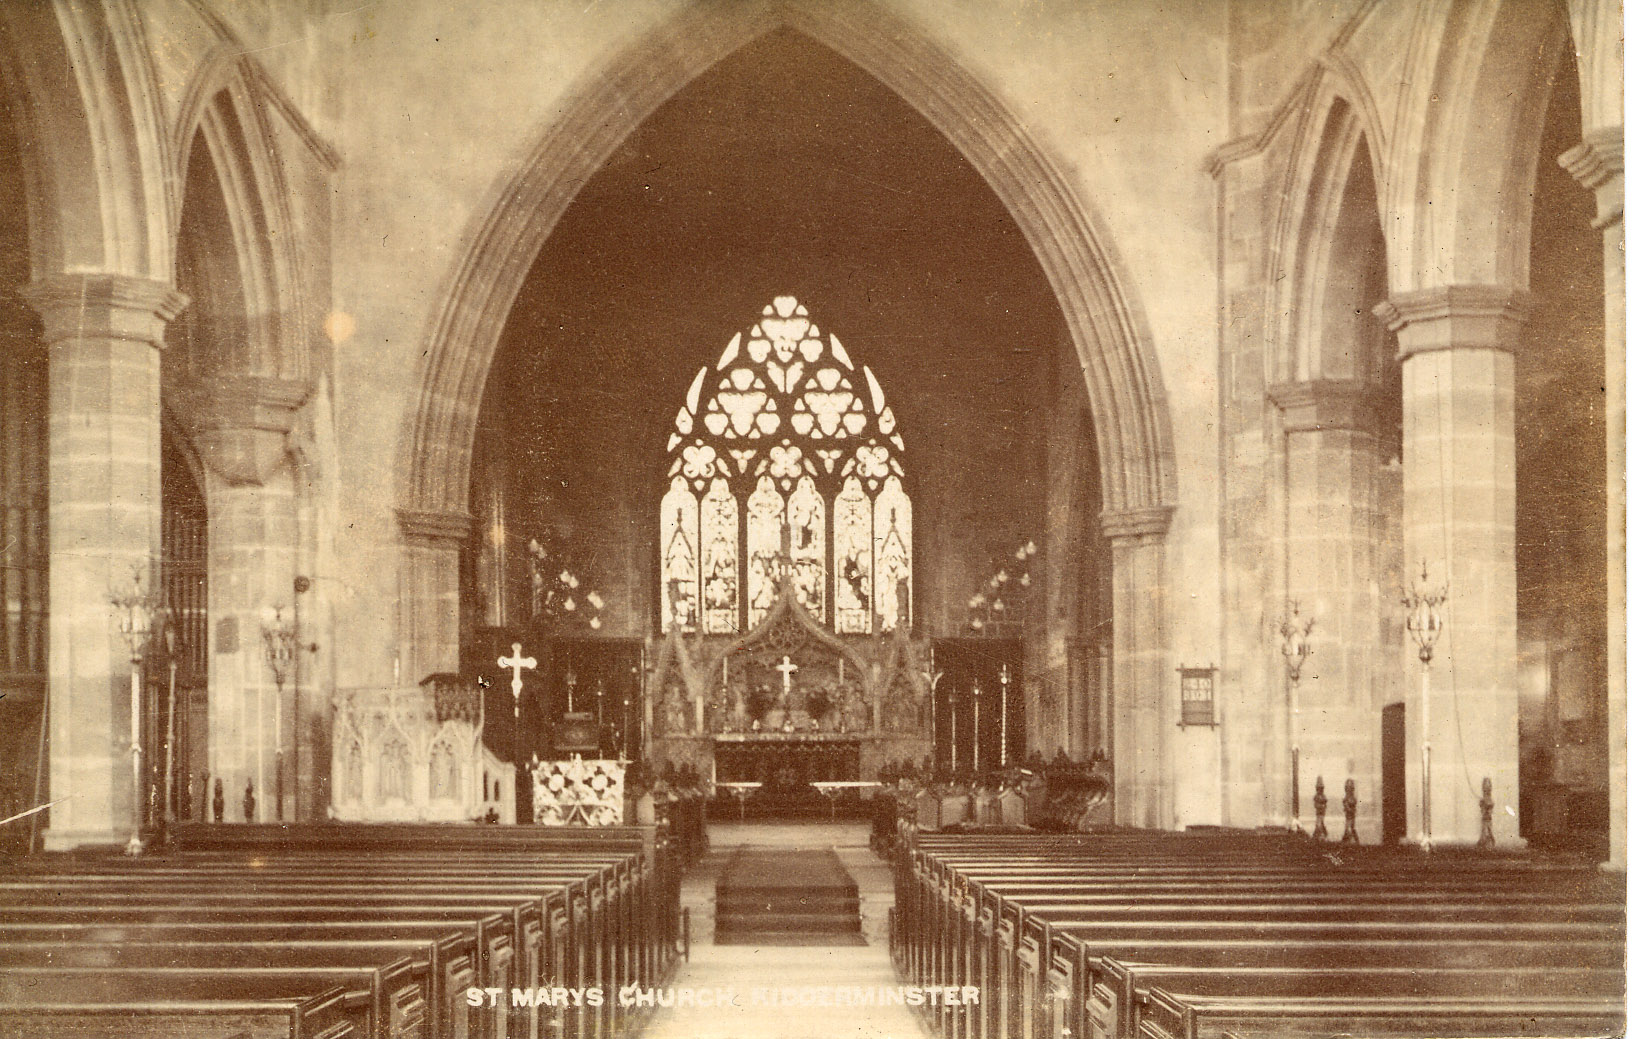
(1028, 492)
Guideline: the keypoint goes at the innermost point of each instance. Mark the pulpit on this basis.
(410, 754)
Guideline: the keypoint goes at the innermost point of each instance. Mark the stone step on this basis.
(787, 922)
(788, 903)
(771, 939)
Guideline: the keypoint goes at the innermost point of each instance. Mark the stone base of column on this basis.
(71, 840)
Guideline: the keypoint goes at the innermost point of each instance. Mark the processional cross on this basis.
(788, 668)
(515, 663)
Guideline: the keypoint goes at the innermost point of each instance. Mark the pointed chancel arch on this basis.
(787, 428)
(1109, 332)
(1105, 325)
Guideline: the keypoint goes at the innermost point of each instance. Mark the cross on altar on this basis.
(788, 668)
(516, 662)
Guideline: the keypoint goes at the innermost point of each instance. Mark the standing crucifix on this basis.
(788, 668)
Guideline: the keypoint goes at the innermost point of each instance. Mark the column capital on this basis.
(1316, 404)
(433, 528)
(1597, 162)
(104, 306)
(1137, 526)
(1455, 317)
(1597, 158)
(241, 423)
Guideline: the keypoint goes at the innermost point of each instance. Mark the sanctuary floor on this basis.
(818, 970)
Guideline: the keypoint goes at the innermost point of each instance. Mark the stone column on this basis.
(1598, 164)
(1456, 344)
(241, 427)
(429, 629)
(1052, 718)
(103, 333)
(1333, 459)
(1145, 690)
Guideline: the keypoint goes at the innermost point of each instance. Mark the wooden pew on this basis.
(447, 959)
(597, 896)
(1119, 989)
(624, 892)
(130, 1005)
(640, 935)
(956, 928)
(252, 879)
(396, 991)
(591, 960)
(493, 935)
(1172, 1016)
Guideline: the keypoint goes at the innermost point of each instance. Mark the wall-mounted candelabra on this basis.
(1424, 624)
(557, 597)
(1000, 603)
(1295, 645)
(138, 612)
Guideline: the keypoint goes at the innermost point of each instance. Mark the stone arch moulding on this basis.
(96, 161)
(1114, 346)
(1335, 124)
(1468, 207)
(226, 107)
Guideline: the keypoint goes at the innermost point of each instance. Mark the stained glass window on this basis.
(785, 460)
(719, 536)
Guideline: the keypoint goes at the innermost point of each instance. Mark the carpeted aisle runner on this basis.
(801, 896)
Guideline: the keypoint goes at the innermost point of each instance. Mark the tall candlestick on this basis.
(976, 727)
(1004, 710)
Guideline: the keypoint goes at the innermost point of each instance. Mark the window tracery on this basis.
(785, 454)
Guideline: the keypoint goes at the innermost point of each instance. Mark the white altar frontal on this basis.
(579, 792)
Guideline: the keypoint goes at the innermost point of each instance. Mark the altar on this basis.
(790, 704)
(785, 762)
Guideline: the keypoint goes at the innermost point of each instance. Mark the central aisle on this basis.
(746, 968)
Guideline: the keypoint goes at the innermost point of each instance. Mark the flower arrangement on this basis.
(760, 701)
(819, 702)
